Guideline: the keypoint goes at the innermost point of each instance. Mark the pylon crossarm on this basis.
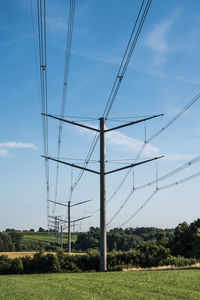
(133, 122)
(133, 165)
(75, 204)
(71, 122)
(57, 203)
(57, 219)
(80, 219)
(69, 164)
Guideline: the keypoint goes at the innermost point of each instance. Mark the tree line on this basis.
(184, 240)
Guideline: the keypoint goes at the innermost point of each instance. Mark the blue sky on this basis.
(163, 75)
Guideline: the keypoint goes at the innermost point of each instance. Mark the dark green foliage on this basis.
(186, 240)
(178, 261)
(10, 241)
(6, 243)
(16, 266)
(119, 238)
(46, 263)
(5, 264)
(152, 254)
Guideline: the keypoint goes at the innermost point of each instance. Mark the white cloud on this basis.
(57, 24)
(3, 152)
(156, 39)
(123, 141)
(15, 145)
(179, 156)
(129, 144)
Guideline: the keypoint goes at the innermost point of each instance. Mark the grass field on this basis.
(44, 237)
(146, 285)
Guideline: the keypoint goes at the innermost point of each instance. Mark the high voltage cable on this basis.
(179, 181)
(65, 84)
(127, 56)
(41, 13)
(157, 190)
(178, 115)
(122, 69)
(169, 174)
(186, 107)
(181, 168)
(123, 204)
(141, 207)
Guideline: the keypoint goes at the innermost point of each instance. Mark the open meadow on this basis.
(168, 284)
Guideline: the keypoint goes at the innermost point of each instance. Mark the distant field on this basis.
(146, 285)
(30, 253)
(44, 237)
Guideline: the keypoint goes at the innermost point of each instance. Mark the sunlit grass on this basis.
(169, 284)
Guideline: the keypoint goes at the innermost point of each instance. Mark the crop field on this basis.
(13, 255)
(173, 284)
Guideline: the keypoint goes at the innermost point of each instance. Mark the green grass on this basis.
(44, 237)
(150, 285)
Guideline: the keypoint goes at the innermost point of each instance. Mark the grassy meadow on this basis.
(36, 240)
(168, 284)
(45, 237)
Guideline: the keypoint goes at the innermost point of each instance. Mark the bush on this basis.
(28, 265)
(120, 267)
(48, 263)
(16, 266)
(178, 261)
(5, 265)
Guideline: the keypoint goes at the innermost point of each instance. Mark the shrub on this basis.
(28, 265)
(120, 267)
(16, 266)
(178, 261)
(5, 264)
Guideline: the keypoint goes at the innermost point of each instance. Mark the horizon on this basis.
(162, 78)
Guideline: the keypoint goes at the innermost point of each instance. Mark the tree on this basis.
(41, 229)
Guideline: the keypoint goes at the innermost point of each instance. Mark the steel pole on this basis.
(58, 233)
(69, 228)
(103, 244)
(61, 237)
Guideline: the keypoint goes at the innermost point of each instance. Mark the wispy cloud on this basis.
(179, 156)
(129, 144)
(3, 152)
(15, 145)
(56, 24)
(157, 38)
(123, 142)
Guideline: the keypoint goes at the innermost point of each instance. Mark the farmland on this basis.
(44, 237)
(36, 240)
(173, 284)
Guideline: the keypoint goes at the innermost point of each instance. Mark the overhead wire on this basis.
(157, 190)
(64, 92)
(127, 55)
(119, 77)
(155, 181)
(178, 115)
(41, 20)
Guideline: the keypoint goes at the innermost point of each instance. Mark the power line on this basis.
(141, 207)
(121, 72)
(174, 172)
(157, 190)
(41, 13)
(178, 115)
(127, 55)
(65, 85)
(155, 181)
